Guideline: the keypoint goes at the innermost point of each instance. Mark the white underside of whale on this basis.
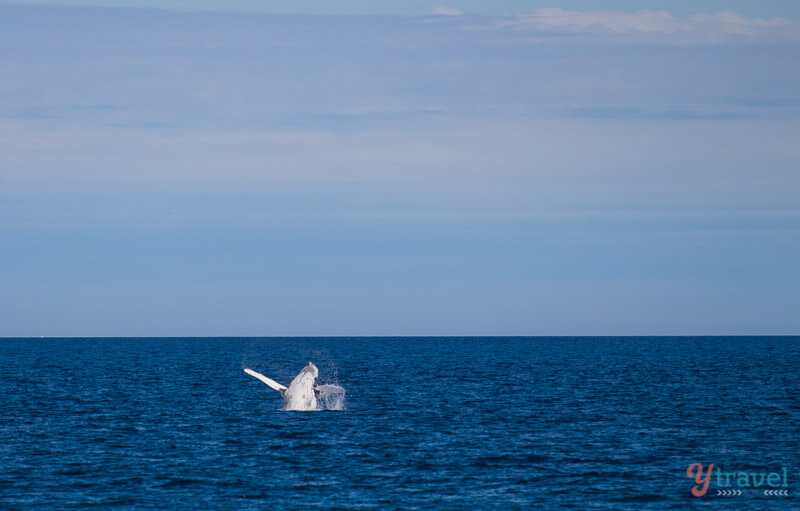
(303, 392)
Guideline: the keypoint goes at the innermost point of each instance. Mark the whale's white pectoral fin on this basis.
(272, 383)
(322, 390)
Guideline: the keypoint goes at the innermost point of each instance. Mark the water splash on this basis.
(333, 402)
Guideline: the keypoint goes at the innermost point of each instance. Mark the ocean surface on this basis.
(428, 423)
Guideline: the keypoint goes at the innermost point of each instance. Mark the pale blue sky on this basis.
(511, 171)
(749, 8)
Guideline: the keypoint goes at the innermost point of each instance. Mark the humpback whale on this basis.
(303, 391)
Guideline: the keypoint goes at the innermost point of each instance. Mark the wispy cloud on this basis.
(709, 28)
(447, 11)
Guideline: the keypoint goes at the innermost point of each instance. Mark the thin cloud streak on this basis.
(447, 11)
(699, 28)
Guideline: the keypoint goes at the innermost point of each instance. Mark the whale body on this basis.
(303, 391)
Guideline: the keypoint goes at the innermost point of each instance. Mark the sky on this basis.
(418, 168)
(684, 8)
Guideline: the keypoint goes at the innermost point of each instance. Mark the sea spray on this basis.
(333, 402)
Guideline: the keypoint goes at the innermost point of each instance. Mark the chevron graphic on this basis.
(776, 493)
(728, 493)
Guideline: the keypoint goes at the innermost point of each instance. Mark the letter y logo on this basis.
(696, 470)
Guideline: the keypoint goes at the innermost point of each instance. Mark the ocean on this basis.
(427, 423)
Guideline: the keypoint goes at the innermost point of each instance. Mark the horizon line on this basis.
(222, 337)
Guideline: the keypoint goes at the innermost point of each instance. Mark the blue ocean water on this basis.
(429, 423)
